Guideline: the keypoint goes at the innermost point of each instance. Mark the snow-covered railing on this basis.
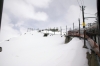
(93, 44)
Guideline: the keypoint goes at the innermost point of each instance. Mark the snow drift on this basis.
(32, 49)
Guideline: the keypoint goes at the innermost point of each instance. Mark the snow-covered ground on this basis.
(32, 49)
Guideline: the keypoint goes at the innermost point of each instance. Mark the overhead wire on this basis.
(79, 13)
(82, 2)
(78, 3)
(89, 13)
(79, 6)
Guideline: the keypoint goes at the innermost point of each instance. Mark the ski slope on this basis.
(32, 49)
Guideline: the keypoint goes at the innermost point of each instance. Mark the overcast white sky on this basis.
(18, 15)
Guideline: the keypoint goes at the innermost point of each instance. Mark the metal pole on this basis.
(79, 26)
(66, 30)
(61, 30)
(73, 28)
(83, 26)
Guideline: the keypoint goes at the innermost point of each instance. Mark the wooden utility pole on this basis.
(98, 22)
(84, 25)
(1, 9)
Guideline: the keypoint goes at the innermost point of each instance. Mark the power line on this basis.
(82, 1)
(78, 3)
(79, 6)
(89, 13)
(79, 13)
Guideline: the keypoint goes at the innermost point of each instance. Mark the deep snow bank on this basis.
(32, 49)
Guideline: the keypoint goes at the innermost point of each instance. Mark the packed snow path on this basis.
(36, 50)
